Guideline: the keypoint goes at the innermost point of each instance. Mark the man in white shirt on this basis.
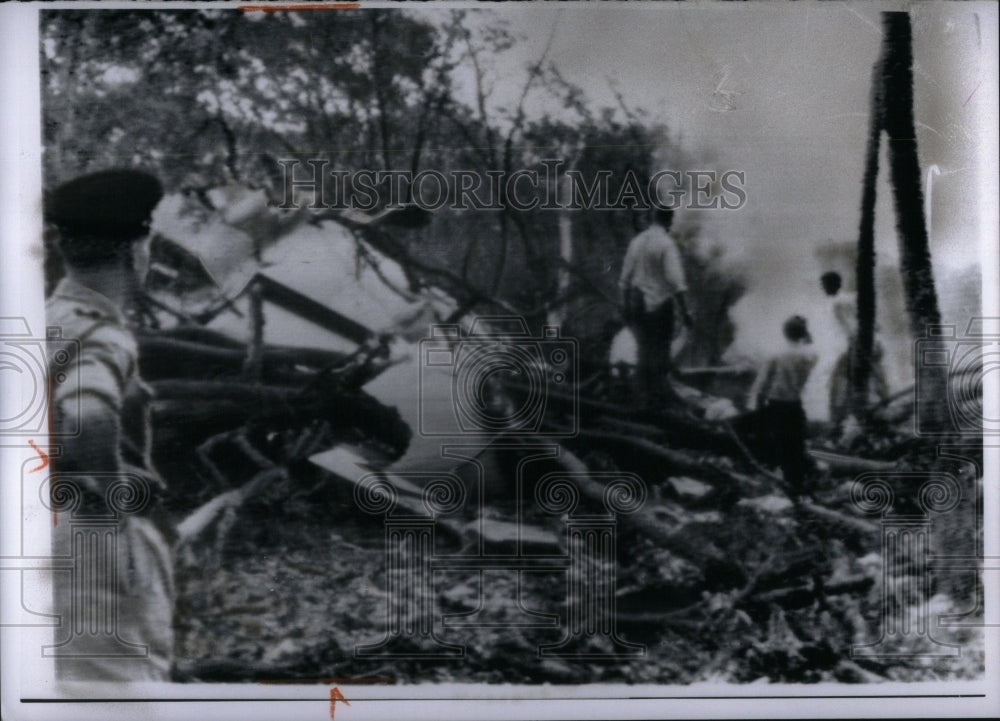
(777, 393)
(841, 372)
(652, 283)
(831, 322)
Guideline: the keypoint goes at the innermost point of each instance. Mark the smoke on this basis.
(784, 280)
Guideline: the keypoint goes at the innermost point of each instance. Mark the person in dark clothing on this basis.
(777, 394)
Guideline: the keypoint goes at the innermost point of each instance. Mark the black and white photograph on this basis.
(517, 361)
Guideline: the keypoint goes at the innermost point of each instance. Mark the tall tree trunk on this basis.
(892, 110)
(557, 316)
(915, 256)
(864, 337)
(914, 249)
(380, 81)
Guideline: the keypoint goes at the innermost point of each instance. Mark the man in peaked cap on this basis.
(652, 284)
(102, 222)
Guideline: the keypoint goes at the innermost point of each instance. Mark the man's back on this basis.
(653, 265)
(787, 373)
(113, 443)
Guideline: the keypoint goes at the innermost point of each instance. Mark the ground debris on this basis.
(720, 573)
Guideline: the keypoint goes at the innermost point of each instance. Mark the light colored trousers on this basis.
(113, 629)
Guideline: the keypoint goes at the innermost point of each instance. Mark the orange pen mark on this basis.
(335, 696)
(45, 462)
(51, 416)
(296, 8)
(41, 454)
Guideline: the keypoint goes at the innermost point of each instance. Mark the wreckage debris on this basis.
(718, 550)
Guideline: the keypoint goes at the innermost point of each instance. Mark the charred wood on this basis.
(162, 357)
(643, 521)
(681, 427)
(196, 409)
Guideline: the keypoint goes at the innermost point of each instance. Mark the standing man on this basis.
(830, 321)
(102, 220)
(841, 304)
(777, 393)
(840, 375)
(652, 283)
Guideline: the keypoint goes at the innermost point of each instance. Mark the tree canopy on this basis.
(215, 97)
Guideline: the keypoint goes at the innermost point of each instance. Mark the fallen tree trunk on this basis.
(196, 334)
(788, 598)
(850, 464)
(856, 526)
(198, 409)
(801, 596)
(196, 522)
(705, 470)
(679, 461)
(683, 429)
(163, 358)
(644, 520)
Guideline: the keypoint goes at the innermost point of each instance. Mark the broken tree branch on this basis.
(196, 522)
(643, 520)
